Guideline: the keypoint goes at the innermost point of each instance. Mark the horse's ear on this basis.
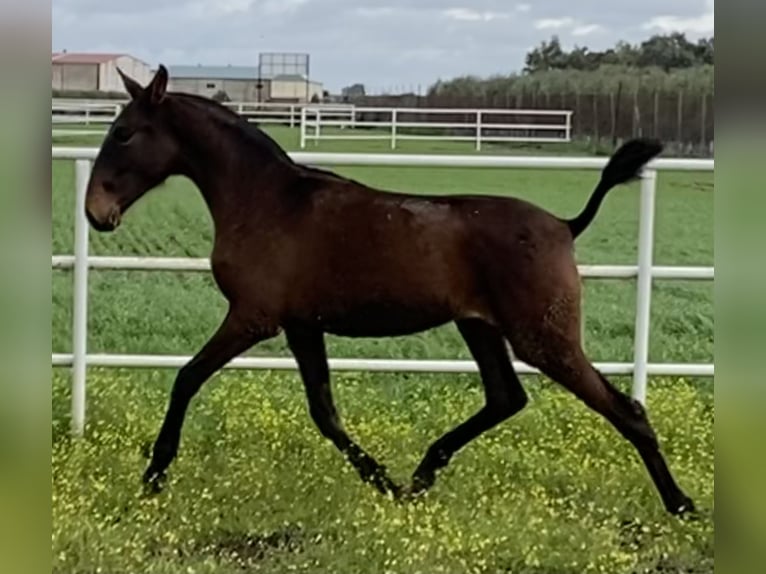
(158, 86)
(133, 87)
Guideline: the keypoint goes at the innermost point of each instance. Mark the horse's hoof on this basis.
(154, 482)
(686, 510)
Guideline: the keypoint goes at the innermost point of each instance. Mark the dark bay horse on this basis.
(304, 251)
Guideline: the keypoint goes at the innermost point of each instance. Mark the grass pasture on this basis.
(256, 489)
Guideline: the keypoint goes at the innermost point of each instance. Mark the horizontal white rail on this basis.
(453, 111)
(644, 273)
(70, 133)
(426, 160)
(398, 124)
(104, 104)
(105, 111)
(203, 264)
(384, 365)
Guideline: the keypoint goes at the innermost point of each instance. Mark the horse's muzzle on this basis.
(110, 223)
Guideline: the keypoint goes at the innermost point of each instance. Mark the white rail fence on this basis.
(644, 272)
(100, 113)
(398, 124)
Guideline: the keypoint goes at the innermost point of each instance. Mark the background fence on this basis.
(683, 119)
(436, 124)
(103, 112)
(644, 272)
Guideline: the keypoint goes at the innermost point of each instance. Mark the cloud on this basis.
(700, 24)
(523, 8)
(575, 27)
(554, 23)
(468, 15)
(586, 29)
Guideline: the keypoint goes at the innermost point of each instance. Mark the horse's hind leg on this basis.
(553, 346)
(504, 396)
(309, 351)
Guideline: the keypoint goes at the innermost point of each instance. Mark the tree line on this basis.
(661, 63)
(666, 52)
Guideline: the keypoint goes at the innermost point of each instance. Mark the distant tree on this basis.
(625, 54)
(547, 56)
(353, 91)
(703, 50)
(667, 52)
(221, 96)
(663, 62)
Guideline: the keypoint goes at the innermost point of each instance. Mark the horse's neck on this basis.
(230, 171)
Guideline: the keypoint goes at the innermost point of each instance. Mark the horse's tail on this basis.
(624, 166)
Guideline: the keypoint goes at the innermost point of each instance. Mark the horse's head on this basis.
(138, 153)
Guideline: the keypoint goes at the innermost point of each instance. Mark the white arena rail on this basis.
(644, 272)
(85, 112)
(88, 112)
(478, 126)
(289, 114)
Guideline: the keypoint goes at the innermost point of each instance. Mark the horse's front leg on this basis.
(234, 336)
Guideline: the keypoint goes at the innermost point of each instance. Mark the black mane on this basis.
(248, 130)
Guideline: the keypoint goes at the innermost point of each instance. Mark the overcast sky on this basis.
(383, 44)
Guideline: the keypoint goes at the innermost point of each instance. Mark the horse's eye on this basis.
(122, 134)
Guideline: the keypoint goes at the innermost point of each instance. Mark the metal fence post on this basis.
(80, 304)
(644, 287)
(478, 130)
(303, 128)
(393, 128)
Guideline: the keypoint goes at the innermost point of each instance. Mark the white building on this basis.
(242, 84)
(93, 72)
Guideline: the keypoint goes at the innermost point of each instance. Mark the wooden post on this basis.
(576, 126)
(679, 116)
(595, 118)
(614, 102)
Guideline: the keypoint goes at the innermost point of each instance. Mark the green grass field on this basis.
(256, 487)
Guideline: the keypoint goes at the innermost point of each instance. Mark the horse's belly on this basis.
(383, 320)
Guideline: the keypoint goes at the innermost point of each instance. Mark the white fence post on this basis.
(317, 127)
(478, 130)
(80, 305)
(393, 128)
(644, 283)
(568, 136)
(303, 128)
(292, 116)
